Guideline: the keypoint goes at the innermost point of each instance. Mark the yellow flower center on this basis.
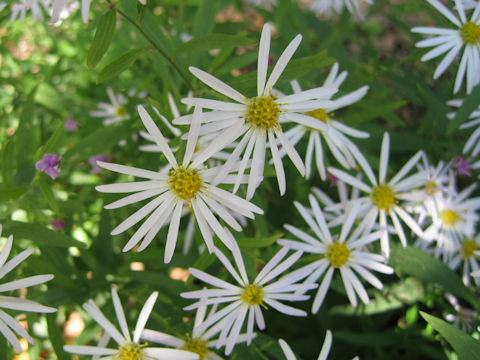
(184, 183)
(319, 114)
(252, 294)
(121, 111)
(468, 249)
(449, 217)
(383, 197)
(197, 346)
(129, 351)
(470, 33)
(431, 187)
(337, 254)
(263, 113)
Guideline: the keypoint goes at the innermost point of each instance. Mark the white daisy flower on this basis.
(258, 120)
(247, 298)
(128, 347)
(8, 325)
(463, 318)
(473, 144)
(383, 197)
(199, 342)
(328, 8)
(186, 184)
(113, 112)
(327, 345)
(335, 132)
(451, 41)
(467, 254)
(344, 254)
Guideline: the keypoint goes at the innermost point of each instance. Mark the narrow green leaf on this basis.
(3, 348)
(103, 37)
(8, 158)
(205, 17)
(248, 243)
(39, 234)
(12, 193)
(46, 188)
(467, 347)
(120, 64)
(214, 41)
(417, 263)
(470, 103)
(53, 143)
(56, 337)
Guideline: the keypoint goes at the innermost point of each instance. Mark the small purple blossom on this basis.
(93, 161)
(49, 165)
(462, 165)
(71, 125)
(333, 179)
(58, 224)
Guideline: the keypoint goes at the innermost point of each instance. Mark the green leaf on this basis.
(53, 143)
(469, 105)
(12, 193)
(39, 234)
(7, 165)
(214, 41)
(56, 337)
(103, 37)
(46, 188)
(417, 263)
(205, 18)
(467, 347)
(248, 243)
(120, 64)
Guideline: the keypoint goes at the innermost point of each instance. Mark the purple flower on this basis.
(462, 166)
(71, 125)
(93, 161)
(58, 224)
(49, 165)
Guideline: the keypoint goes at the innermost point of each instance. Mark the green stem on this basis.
(162, 52)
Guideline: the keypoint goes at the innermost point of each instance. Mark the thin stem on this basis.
(170, 59)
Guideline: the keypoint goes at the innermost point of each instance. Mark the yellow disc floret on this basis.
(449, 217)
(252, 294)
(263, 113)
(468, 249)
(319, 114)
(337, 254)
(185, 183)
(383, 197)
(129, 351)
(197, 346)
(431, 187)
(470, 33)
(121, 111)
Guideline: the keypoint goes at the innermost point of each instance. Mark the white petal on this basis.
(218, 85)
(263, 52)
(143, 317)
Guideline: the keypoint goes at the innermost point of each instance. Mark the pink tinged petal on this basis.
(193, 135)
(280, 268)
(277, 162)
(282, 63)
(129, 170)
(218, 85)
(263, 52)
(348, 287)
(235, 331)
(327, 344)
(384, 157)
(88, 350)
(291, 152)
(258, 159)
(213, 223)
(170, 354)
(243, 164)
(137, 197)
(446, 61)
(349, 179)
(98, 316)
(322, 290)
(445, 12)
(157, 135)
(10, 336)
(285, 309)
(143, 317)
(173, 232)
(15, 261)
(122, 321)
(6, 249)
(26, 282)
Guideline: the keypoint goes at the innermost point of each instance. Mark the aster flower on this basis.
(344, 254)
(71, 125)
(58, 224)
(473, 143)
(328, 8)
(258, 120)
(462, 166)
(247, 298)
(128, 347)
(327, 344)
(383, 198)
(113, 112)
(186, 184)
(335, 132)
(49, 164)
(467, 254)
(451, 41)
(8, 325)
